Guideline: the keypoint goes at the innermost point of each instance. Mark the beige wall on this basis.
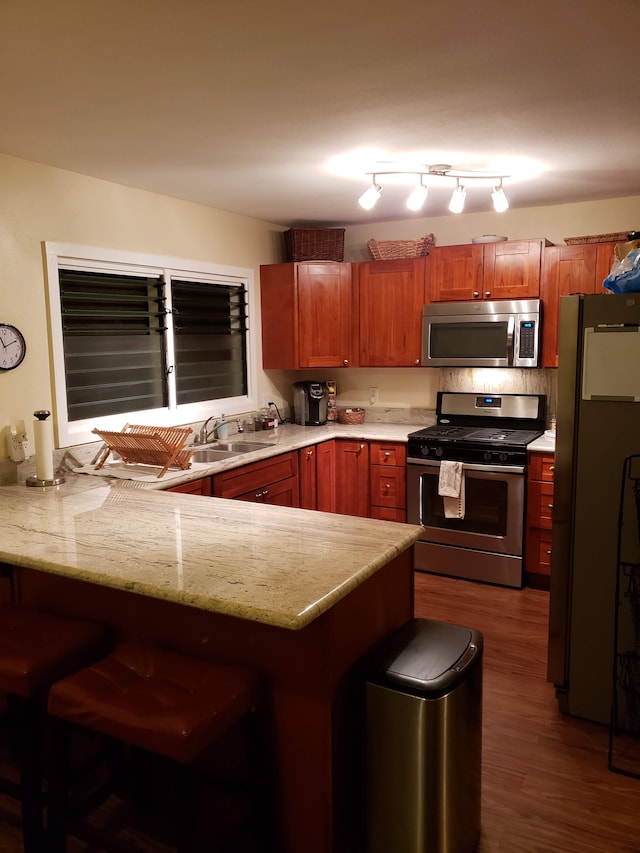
(39, 203)
(554, 223)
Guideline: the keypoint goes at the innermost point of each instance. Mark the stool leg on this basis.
(186, 808)
(261, 781)
(29, 721)
(59, 776)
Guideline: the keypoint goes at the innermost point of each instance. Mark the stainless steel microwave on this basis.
(487, 333)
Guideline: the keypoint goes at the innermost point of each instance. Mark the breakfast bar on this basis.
(302, 596)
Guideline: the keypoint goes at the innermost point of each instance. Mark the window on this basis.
(139, 339)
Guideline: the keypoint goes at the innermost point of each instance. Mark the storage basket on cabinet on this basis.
(314, 244)
(389, 249)
(350, 416)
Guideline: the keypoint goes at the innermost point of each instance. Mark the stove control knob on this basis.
(424, 451)
(439, 451)
(487, 456)
(503, 457)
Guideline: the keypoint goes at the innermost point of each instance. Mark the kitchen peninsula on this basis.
(301, 596)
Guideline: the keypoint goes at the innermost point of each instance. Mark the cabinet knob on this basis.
(549, 553)
(362, 447)
(309, 455)
(552, 467)
(475, 294)
(387, 486)
(387, 453)
(550, 506)
(487, 294)
(265, 493)
(417, 361)
(346, 362)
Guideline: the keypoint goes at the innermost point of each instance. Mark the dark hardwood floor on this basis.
(546, 787)
(545, 783)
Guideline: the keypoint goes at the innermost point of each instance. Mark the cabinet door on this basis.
(283, 493)
(566, 270)
(325, 315)
(455, 273)
(308, 478)
(352, 478)
(512, 269)
(391, 296)
(307, 315)
(388, 486)
(326, 473)
(256, 476)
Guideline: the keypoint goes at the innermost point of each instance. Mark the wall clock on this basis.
(12, 347)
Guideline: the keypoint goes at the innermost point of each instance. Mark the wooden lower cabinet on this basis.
(352, 477)
(388, 481)
(539, 519)
(318, 477)
(273, 481)
(195, 487)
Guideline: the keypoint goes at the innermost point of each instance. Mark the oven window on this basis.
(468, 340)
(486, 505)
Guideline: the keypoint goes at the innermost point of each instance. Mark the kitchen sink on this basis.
(224, 450)
(239, 446)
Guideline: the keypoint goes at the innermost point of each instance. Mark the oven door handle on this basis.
(488, 469)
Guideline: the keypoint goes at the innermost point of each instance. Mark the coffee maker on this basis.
(310, 403)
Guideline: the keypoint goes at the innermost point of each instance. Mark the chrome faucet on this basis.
(204, 434)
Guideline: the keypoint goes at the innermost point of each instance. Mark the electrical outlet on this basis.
(373, 396)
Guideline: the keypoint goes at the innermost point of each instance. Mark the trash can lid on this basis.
(429, 656)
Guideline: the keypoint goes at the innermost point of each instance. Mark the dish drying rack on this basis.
(147, 445)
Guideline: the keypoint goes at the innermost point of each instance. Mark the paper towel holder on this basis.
(58, 478)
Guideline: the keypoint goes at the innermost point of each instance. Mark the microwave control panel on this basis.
(527, 347)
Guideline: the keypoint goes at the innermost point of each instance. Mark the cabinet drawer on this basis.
(544, 550)
(540, 504)
(538, 553)
(283, 493)
(541, 466)
(388, 486)
(195, 487)
(387, 454)
(255, 476)
(388, 513)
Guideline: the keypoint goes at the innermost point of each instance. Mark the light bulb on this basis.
(370, 196)
(417, 197)
(456, 205)
(500, 201)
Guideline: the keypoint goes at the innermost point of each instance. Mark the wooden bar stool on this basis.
(165, 704)
(36, 648)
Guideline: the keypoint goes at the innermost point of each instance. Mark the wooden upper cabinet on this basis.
(391, 298)
(512, 269)
(455, 273)
(505, 270)
(565, 270)
(307, 315)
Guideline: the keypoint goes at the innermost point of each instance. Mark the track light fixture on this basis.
(500, 201)
(371, 195)
(462, 177)
(418, 196)
(458, 196)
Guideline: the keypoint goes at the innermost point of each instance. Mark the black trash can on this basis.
(424, 741)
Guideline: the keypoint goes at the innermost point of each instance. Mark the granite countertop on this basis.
(545, 444)
(269, 564)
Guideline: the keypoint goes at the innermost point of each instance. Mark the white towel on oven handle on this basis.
(451, 488)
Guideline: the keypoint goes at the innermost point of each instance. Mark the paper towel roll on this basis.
(43, 433)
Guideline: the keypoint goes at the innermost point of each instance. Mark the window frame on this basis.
(93, 259)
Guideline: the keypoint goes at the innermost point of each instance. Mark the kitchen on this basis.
(44, 202)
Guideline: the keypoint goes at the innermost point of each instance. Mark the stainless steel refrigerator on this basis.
(598, 426)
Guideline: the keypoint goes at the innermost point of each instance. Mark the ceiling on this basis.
(241, 106)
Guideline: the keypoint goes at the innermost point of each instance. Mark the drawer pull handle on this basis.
(552, 467)
(550, 506)
(549, 553)
(387, 454)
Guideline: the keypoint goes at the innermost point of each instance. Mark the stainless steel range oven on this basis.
(486, 435)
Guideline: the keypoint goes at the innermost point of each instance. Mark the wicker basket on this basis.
(350, 416)
(314, 244)
(616, 237)
(388, 249)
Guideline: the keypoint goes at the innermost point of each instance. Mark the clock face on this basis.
(12, 347)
